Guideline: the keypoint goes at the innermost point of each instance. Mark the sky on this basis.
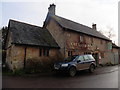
(104, 13)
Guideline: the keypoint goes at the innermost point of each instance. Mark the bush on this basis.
(33, 65)
(19, 72)
(5, 67)
(42, 64)
(109, 64)
(3, 57)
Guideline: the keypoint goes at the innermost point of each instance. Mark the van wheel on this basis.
(91, 68)
(72, 71)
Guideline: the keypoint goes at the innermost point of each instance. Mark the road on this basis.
(119, 77)
(102, 78)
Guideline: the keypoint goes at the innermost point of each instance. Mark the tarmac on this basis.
(106, 69)
(98, 70)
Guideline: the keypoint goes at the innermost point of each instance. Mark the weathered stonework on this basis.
(16, 55)
(70, 41)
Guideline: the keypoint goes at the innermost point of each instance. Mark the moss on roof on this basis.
(27, 34)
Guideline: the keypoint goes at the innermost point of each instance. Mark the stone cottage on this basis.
(58, 37)
(74, 38)
(25, 41)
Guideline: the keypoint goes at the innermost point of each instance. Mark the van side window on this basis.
(80, 58)
(91, 57)
(86, 57)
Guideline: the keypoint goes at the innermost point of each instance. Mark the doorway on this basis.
(96, 56)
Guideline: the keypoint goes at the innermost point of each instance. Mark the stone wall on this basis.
(58, 34)
(69, 41)
(16, 55)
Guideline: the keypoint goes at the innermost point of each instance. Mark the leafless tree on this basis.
(109, 32)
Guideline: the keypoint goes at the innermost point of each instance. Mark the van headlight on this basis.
(64, 65)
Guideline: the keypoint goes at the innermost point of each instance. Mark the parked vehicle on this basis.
(74, 63)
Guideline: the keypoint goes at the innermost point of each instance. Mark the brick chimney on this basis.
(94, 26)
(51, 9)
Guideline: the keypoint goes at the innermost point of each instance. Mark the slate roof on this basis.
(26, 34)
(115, 46)
(71, 25)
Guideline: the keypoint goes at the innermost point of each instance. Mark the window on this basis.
(68, 34)
(81, 39)
(90, 57)
(40, 52)
(107, 42)
(80, 58)
(45, 52)
(86, 57)
(9, 51)
(87, 53)
(101, 42)
(69, 53)
(102, 55)
(91, 39)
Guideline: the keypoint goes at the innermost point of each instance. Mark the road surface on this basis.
(102, 78)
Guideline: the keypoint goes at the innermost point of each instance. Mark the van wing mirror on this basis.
(78, 61)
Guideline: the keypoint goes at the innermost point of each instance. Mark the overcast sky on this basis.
(104, 13)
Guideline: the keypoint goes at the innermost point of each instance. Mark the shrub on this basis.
(19, 72)
(42, 64)
(109, 64)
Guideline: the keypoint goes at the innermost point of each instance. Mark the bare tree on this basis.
(109, 32)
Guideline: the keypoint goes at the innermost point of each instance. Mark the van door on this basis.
(87, 61)
(80, 63)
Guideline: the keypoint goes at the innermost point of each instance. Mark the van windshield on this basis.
(70, 58)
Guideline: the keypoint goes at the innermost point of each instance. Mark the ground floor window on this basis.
(40, 52)
(43, 52)
(87, 53)
(69, 53)
(102, 55)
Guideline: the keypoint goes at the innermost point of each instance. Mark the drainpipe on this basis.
(65, 39)
(25, 57)
(114, 58)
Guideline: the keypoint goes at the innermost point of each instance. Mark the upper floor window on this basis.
(101, 41)
(91, 39)
(68, 34)
(81, 38)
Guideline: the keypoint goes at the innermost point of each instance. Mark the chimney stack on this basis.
(94, 26)
(51, 9)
